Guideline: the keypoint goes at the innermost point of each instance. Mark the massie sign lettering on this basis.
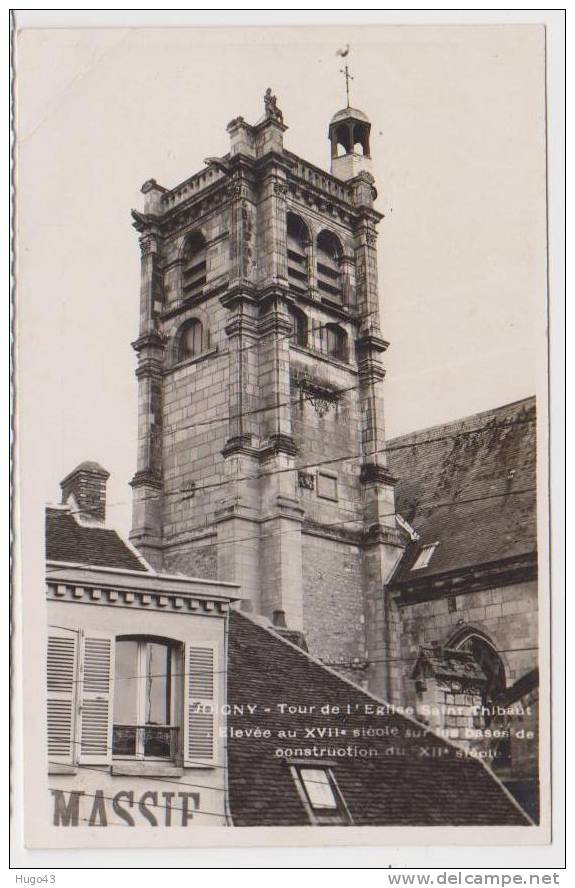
(124, 807)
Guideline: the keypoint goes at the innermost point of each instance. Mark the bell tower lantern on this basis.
(349, 131)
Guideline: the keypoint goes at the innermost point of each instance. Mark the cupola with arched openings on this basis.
(349, 132)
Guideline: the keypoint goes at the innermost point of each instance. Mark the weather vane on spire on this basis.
(344, 53)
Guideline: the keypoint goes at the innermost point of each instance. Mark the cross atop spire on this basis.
(348, 77)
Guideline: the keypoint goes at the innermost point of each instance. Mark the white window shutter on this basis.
(97, 697)
(61, 680)
(200, 716)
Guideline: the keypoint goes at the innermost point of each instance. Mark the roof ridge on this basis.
(461, 421)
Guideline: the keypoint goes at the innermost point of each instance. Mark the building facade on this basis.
(135, 677)
(168, 710)
(261, 452)
(410, 565)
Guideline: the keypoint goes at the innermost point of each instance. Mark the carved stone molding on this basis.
(306, 480)
(278, 443)
(235, 189)
(147, 478)
(372, 473)
(148, 245)
(239, 444)
(321, 397)
(134, 598)
(281, 189)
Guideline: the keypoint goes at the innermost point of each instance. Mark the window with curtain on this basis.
(135, 697)
(144, 718)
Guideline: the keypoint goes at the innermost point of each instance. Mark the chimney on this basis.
(279, 619)
(86, 484)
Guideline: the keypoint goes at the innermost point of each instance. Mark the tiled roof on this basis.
(399, 786)
(488, 459)
(68, 540)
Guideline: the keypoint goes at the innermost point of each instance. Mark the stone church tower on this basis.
(261, 427)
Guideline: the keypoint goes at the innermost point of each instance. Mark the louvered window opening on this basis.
(194, 267)
(299, 327)
(328, 270)
(297, 260)
(334, 342)
(191, 340)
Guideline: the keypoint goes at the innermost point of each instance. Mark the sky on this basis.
(458, 147)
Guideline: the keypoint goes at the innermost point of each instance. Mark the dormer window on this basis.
(328, 265)
(425, 556)
(321, 796)
(194, 265)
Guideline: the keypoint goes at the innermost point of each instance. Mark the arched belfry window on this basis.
(192, 340)
(334, 342)
(194, 265)
(342, 141)
(300, 327)
(297, 253)
(361, 139)
(328, 265)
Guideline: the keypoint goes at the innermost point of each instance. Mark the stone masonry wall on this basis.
(508, 615)
(333, 605)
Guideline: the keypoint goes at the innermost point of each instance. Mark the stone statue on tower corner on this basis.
(271, 106)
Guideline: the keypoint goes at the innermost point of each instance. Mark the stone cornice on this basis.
(271, 162)
(278, 443)
(144, 580)
(237, 293)
(187, 212)
(327, 531)
(149, 368)
(370, 473)
(370, 370)
(152, 339)
(504, 572)
(239, 444)
(326, 359)
(370, 341)
(345, 313)
(306, 195)
(136, 600)
(147, 478)
(208, 292)
(381, 534)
